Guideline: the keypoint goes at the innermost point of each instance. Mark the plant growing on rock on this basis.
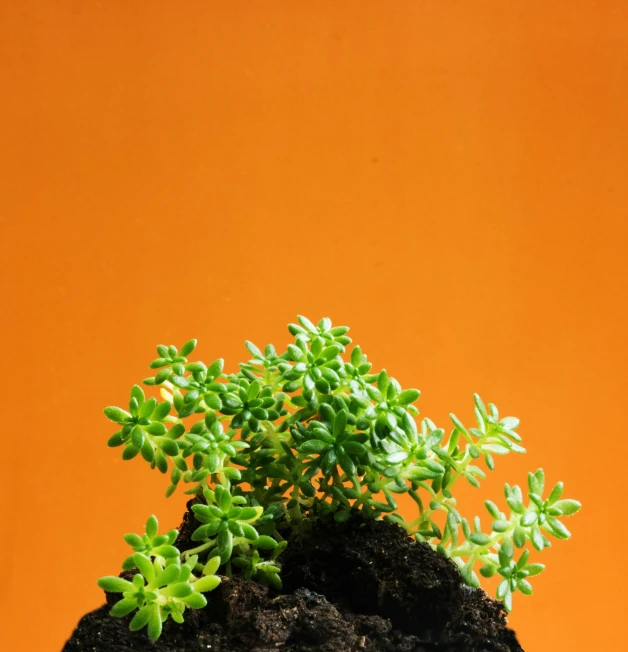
(312, 431)
(163, 586)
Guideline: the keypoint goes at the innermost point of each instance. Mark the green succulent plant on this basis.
(308, 432)
(162, 585)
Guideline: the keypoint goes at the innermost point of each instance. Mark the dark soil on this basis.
(351, 587)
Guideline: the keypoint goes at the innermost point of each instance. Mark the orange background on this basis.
(447, 178)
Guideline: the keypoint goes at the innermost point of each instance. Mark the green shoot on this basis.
(162, 586)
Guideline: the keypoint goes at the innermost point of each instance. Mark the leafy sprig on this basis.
(162, 585)
(314, 430)
(151, 544)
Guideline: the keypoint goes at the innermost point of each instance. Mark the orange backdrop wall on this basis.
(447, 178)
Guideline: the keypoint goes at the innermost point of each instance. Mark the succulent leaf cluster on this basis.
(163, 585)
(314, 430)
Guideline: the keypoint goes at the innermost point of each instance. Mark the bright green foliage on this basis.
(314, 430)
(151, 544)
(144, 429)
(163, 586)
(266, 572)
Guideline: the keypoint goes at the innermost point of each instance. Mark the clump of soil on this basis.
(351, 587)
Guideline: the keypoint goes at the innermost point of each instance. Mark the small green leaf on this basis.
(506, 552)
(223, 498)
(154, 623)
(295, 353)
(188, 347)
(498, 449)
(180, 590)
(249, 514)
(540, 478)
(169, 575)
(266, 543)
(215, 368)
(487, 571)
(162, 411)
(113, 584)
(535, 569)
(129, 452)
(408, 396)
(510, 423)
(519, 537)
(155, 428)
(342, 516)
(479, 538)
(567, 507)
(137, 437)
(115, 440)
(169, 447)
(307, 324)
(148, 452)
(396, 458)
(382, 381)
(503, 588)
(556, 493)
(163, 375)
(331, 352)
(346, 463)
(254, 389)
(211, 566)
(557, 528)
(537, 539)
(533, 484)
(500, 525)
(141, 617)
(524, 586)
(147, 408)
(117, 415)
(206, 583)
(529, 518)
(123, 607)
(340, 423)
(313, 446)
(480, 405)
(253, 350)
(354, 447)
(469, 576)
(134, 540)
(236, 529)
(225, 544)
(458, 424)
(212, 401)
(166, 551)
(138, 394)
(195, 601)
(160, 461)
(144, 565)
